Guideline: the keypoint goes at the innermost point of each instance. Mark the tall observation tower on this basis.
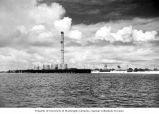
(62, 65)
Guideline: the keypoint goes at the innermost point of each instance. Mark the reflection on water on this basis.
(79, 90)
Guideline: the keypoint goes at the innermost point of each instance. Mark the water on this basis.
(79, 90)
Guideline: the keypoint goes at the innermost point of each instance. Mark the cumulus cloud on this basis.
(27, 22)
(123, 35)
(26, 25)
(103, 33)
(40, 34)
(38, 28)
(75, 34)
(63, 24)
(13, 14)
(139, 35)
(42, 37)
(47, 14)
(26, 14)
(126, 34)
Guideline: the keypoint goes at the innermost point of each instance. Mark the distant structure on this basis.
(38, 67)
(44, 67)
(105, 66)
(65, 66)
(62, 65)
(56, 66)
(52, 66)
(48, 67)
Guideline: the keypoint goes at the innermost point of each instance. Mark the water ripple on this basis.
(79, 90)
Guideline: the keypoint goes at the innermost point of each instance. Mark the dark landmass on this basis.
(73, 70)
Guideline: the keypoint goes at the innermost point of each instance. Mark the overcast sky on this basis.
(113, 32)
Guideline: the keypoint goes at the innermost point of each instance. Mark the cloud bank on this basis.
(126, 34)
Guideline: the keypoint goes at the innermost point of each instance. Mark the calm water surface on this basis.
(79, 90)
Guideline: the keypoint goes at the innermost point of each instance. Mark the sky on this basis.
(97, 32)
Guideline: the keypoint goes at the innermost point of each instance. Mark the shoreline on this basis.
(124, 72)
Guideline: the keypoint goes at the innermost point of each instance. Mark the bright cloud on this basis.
(139, 35)
(75, 34)
(126, 34)
(38, 28)
(103, 33)
(63, 24)
(123, 35)
(45, 14)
